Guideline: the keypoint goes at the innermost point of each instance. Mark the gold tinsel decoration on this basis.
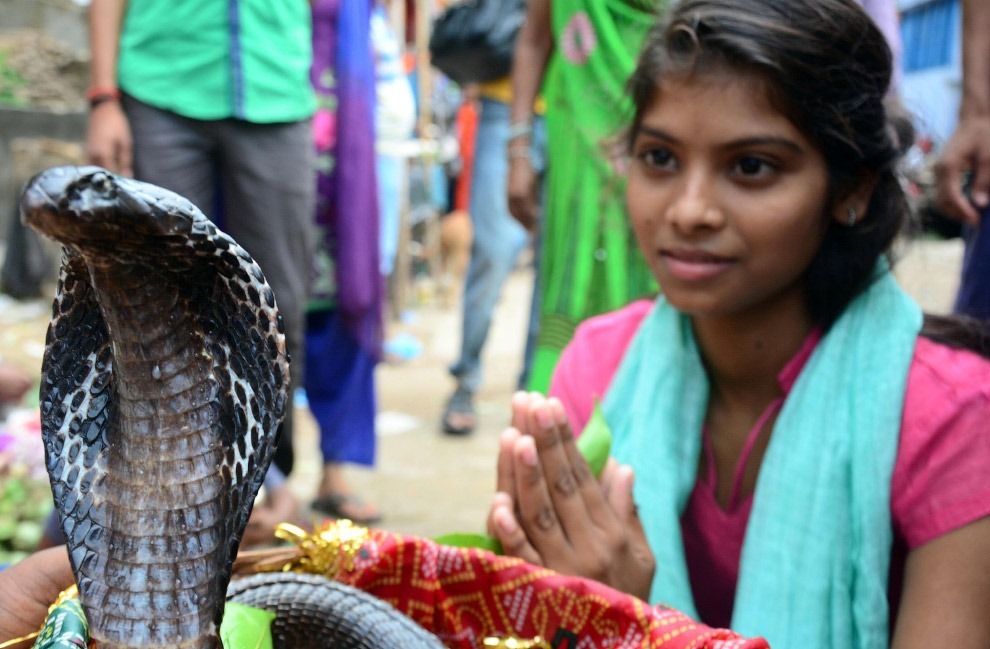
(326, 551)
(512, 642)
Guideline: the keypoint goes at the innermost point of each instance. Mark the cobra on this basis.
(164, 383)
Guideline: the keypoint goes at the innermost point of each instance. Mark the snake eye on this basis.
(102, 182)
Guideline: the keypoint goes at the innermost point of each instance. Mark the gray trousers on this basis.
(257, 182)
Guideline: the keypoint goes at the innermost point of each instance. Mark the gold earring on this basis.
(851, 221)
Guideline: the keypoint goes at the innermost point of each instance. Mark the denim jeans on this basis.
(389, 169)
(498, 237)
(973, 298)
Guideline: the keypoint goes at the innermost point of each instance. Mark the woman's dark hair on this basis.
(828, 67)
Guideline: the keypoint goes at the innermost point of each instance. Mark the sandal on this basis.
(346, 506)
(459, 417)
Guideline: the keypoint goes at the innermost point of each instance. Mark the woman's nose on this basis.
(695, 206)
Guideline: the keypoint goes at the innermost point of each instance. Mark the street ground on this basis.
(425, 482)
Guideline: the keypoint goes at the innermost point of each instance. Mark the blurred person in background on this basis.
(344, 320)
(496, 243)
(212, 100)
(968, 150)
(395, 119)
(586, 49)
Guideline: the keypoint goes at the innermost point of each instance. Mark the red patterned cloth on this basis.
(465, 594)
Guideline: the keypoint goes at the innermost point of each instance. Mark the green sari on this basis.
(590, 261)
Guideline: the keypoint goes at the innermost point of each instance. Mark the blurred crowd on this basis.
(311, 131)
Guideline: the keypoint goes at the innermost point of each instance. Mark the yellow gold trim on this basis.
(326, 551)
(512, 642)
(71, 592)
(16, 641)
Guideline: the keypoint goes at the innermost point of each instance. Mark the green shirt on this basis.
(215, 59)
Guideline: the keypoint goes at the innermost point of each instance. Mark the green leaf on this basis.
(246, 627)
(595, 441)
(463, 540)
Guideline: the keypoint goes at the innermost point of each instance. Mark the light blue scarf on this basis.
(816, 555)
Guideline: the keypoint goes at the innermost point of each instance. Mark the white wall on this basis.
(933, 94)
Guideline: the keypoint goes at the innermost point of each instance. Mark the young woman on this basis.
(810, 454)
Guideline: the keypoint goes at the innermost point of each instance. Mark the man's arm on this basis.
(969, 146)
(108, 135)
(105, 18)
(533, 48)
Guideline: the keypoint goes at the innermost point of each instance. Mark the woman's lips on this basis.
(692, 266)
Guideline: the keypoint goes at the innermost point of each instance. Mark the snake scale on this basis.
(164, 382)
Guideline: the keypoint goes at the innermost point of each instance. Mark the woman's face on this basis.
(727, 197)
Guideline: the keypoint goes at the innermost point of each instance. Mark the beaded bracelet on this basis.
(517, 152)
(100, 95)
(520, 129)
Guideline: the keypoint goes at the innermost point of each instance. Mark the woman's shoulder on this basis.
(605, 337)
(945, 382)
(619, 325)
(591, 359)
(940, 477)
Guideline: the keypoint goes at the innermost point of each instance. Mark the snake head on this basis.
(89, 207)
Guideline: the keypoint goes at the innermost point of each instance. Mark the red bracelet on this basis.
(98, 95)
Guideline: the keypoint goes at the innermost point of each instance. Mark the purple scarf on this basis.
(343, 75)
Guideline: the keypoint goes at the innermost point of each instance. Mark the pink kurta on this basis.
(941, 477)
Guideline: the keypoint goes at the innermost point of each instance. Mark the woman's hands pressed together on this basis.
(551, 511)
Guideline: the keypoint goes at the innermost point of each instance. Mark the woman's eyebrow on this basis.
(657, 133)
(766, 140)
(756, 140)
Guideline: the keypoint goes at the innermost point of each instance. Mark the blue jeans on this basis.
(973, 298)
(498, 238)
(389, 169)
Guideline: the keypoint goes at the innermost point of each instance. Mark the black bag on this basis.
(472, 41)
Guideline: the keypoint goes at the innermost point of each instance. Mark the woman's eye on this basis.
(657, 158)
(751, 167)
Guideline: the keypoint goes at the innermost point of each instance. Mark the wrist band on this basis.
(520, 129)
(519, 152)
(100, 95)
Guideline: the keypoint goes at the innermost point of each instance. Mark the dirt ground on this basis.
(425, 482)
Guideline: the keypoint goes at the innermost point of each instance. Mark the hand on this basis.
(28, 588)
(521, 190)
(108, 139)
(967, 149)
(551, 511)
